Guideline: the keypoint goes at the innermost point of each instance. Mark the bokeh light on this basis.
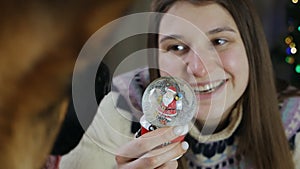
(290, 60)
(293, 50)
(288, 51)
(297, 68)
(295, 1)
(288, 40)
(292, 45)
(291, 28)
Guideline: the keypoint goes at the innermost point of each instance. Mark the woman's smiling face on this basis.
(204, 47)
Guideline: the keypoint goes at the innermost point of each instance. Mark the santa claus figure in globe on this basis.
(171, 102)
(167, 101)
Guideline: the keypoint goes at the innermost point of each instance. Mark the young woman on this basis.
(219, 48)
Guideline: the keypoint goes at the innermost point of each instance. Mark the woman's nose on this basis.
(196, 65)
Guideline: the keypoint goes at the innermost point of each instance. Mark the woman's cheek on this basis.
(170, 65)
(235, 62)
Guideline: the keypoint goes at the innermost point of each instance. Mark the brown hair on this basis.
(262, 140)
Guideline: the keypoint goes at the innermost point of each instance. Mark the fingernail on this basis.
(181, 130)
(184, 145)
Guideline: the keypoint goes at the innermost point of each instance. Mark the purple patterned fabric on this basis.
(290, 112)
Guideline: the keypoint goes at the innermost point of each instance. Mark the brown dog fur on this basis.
(39, 43)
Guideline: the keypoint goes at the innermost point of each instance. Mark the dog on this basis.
(40, 41)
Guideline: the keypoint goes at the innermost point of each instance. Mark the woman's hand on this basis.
(147, 152)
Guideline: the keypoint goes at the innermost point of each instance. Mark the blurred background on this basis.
(282, 28)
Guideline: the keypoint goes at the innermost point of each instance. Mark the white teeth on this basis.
(209, 87)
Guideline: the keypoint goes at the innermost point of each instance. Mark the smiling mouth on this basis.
(210, 87)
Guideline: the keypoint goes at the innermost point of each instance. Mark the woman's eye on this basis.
(177, 49)
(217, 42)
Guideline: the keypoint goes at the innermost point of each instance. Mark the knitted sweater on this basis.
(117, 120)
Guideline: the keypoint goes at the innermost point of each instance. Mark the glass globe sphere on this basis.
(169, 101)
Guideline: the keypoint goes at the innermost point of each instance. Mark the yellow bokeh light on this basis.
(288, 40)
(295, 1)
(292, 45)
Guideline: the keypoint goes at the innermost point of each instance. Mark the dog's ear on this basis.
(33, 109)
(39, 44)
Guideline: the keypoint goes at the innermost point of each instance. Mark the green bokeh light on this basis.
(297, 68)
(290, 60)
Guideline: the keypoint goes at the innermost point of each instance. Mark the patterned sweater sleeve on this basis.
(290, 110)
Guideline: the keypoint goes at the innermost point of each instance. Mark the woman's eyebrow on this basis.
(221, 29)
(170, 37)
(210, 32)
